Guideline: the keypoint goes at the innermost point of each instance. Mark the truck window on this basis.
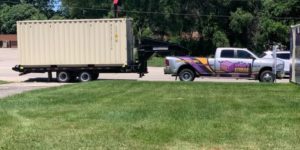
(243, 54)
(227, 54)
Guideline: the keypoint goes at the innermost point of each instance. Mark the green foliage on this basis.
(10, 14)
(147, 32)
(202, 47)
(81, 9)
(156, 61)
(240, 21)
(274, 30)
(41, 4)
(45, 6)
(281, 8)
(220, 39)
(3, 82)
(245, 23)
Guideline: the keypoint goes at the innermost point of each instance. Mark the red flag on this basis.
(116, 2)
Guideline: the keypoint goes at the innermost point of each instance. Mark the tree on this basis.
(220, 39)
(9, 15)
(87, 8)
(45, 6)
(275, 20)
(242, 23)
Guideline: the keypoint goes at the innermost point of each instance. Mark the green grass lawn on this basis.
(156, 62)
(153, 115)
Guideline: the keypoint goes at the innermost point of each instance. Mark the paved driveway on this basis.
(9, 58)
(16, 88)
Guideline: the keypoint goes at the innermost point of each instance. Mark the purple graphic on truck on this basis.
(230, 67)
(199, 64)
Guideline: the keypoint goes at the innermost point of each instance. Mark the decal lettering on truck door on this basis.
(230, 67)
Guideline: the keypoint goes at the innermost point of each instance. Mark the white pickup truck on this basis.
(228, 62)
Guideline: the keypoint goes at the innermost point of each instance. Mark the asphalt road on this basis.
(9, 58)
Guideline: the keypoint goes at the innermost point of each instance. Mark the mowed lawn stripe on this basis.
(3, 82)
(153, 115)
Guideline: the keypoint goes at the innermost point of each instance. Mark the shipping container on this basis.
(81, 49)
(295, 54)
(99, 42)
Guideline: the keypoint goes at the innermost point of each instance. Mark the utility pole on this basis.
(275, 49)
(116, 3)
(117, 7)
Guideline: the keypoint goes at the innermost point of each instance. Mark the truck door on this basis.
(245, 62)
(224, 64)
(234, 62)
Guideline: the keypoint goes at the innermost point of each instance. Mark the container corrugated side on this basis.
(75, 42)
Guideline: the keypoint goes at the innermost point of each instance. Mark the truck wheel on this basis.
(63, 76)
(95, 76)
(186, 75)
(85, 77)
(267, 77)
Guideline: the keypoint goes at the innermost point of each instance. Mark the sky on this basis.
(57, 5)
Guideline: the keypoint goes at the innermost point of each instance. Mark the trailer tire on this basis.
(267, 76)
(187, 75)
(63, 76)
(85, 76)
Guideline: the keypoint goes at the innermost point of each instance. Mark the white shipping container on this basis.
(99, 42)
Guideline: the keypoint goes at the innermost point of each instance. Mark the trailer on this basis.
(295, 54)
(81, 49)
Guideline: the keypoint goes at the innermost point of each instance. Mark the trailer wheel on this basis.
(95, 76)
(63, 76)
(187, 75)
(267, 77)
(85, 76)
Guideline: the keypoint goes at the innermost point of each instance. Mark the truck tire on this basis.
(85, 76)
(63, 76)
(187, 75)
(267, 76)
(95, 76)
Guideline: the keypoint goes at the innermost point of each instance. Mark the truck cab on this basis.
(233, 61)
(227, 62)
